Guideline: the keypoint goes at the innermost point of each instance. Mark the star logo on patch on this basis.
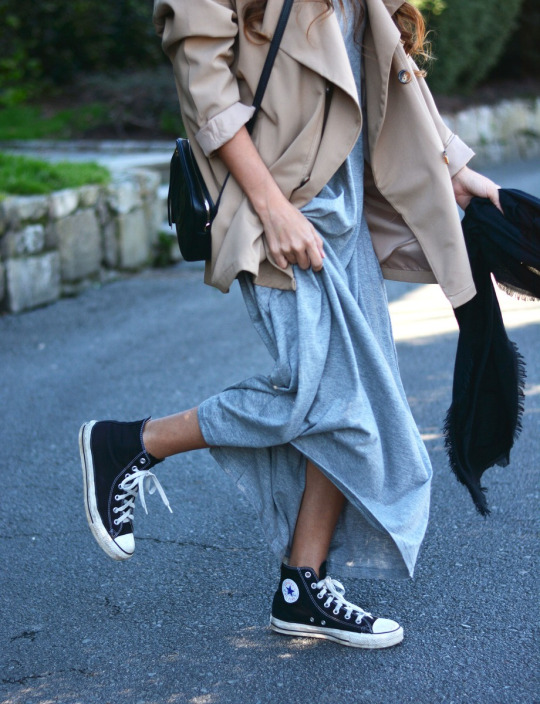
(290, 591)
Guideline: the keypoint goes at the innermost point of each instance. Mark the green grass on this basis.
(31, 122)
(21, 175)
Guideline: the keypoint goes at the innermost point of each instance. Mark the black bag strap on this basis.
(265, 74)
(269, 63)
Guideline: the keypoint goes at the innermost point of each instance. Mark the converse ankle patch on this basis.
(290, 591)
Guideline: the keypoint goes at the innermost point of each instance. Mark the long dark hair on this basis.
(407, 18)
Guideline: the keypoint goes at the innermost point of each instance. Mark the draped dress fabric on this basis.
(334, 395)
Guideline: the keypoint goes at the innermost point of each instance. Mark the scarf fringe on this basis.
(476, 490)
(515, 292)
(521, 374)
(451, 428)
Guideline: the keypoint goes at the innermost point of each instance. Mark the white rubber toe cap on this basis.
(126, 543)
(385, 625)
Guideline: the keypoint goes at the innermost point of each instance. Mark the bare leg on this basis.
(321, 505)
(168, 436)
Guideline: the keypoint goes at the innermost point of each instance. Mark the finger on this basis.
(319, 242)
(290, 254)
(318, 239)
(280, 260)
(316, 235)
(303, 260)
(315, 257)
(494, 198)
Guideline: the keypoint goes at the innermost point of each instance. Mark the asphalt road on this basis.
(185, 621)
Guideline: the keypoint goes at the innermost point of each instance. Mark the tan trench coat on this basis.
(409, 201)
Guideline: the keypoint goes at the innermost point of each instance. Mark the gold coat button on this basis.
(404, 76)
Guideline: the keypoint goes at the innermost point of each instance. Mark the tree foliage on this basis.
(51, 42)
(521, 58)
(468, 37)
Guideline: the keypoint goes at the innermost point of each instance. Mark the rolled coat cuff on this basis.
(458, 153)
(222, 127)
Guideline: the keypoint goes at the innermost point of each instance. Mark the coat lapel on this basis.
(393, 5)
(380, 42)
(326, 54)
(324, 51)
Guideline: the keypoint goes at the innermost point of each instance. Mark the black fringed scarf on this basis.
(484, 419)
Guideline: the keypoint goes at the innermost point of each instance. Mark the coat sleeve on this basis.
(458, 153)
(199, 37)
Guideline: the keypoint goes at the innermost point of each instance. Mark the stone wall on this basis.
(508, 131)
(57, 244)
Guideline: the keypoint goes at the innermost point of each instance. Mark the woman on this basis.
(350, 173)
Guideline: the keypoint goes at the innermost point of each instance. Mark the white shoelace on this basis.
(135, 484)
(335, 591)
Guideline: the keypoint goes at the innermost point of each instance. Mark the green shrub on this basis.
(468, 38)
(163, 250)
(130, 104)
(19, 70)
(521, 58)
(141, 102)
(21, 175)
(31, 122)
(50, 43)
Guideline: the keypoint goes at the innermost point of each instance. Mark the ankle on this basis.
(306, 560)
(149, 441)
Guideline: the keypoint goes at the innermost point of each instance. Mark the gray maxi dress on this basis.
(334, 395)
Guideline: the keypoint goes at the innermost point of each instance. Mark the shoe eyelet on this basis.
(308, 575)
(134, 468)
(313, 585)
(142, 460)
(128, 475)
(347, 617)
(311, 619)
(335, 612)
(358, 622)
(117, 497)
(115, 521)
(115, 509)
(323, 623)
(319, 595)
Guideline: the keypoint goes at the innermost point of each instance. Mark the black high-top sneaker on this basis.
(115, 467)
(307, 606)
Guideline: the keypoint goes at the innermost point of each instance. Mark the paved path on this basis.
(185, 621)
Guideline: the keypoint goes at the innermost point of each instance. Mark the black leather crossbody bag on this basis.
(190, 206)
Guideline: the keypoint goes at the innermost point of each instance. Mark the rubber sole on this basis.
(103, 539)
(351, 639)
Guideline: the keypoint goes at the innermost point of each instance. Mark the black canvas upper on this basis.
(117, 452)
(308, 609)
